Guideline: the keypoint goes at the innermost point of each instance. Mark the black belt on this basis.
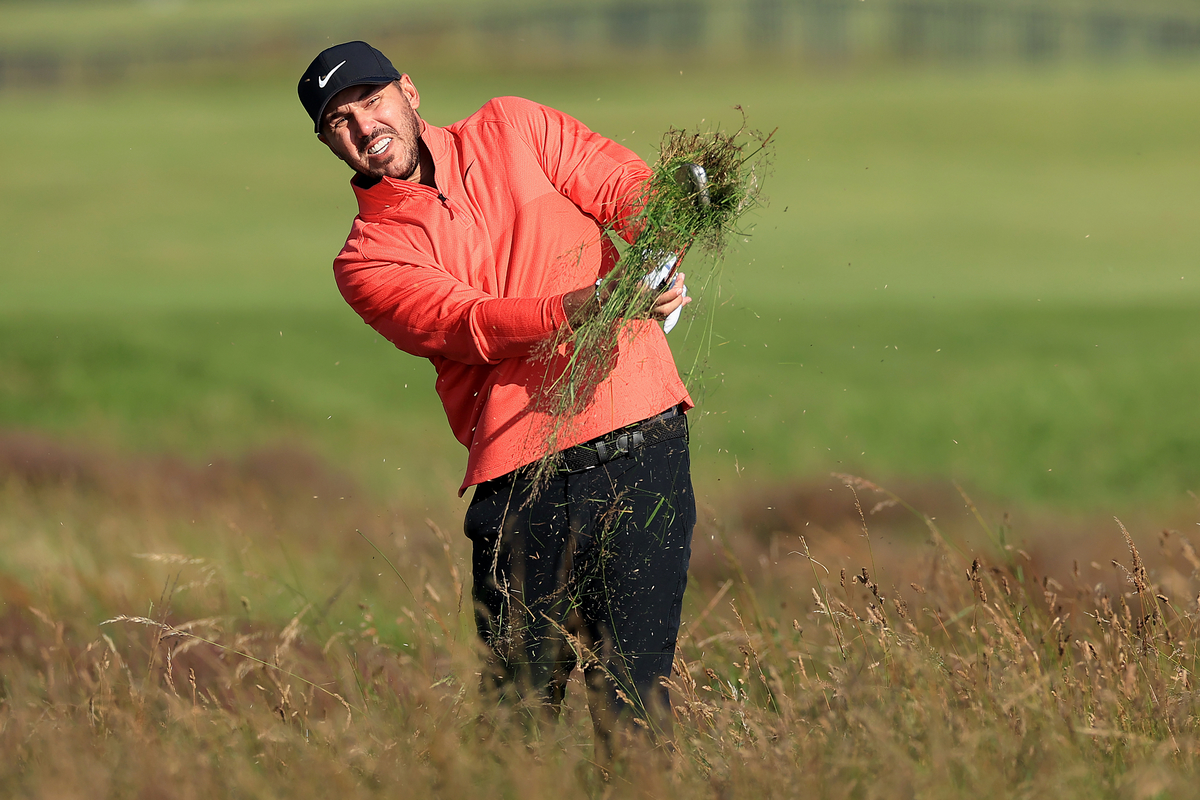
(671, 424)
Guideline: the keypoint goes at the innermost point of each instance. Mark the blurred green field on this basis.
(987, 278)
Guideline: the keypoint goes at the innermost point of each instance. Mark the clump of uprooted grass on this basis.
(943, 672)
(671, 221)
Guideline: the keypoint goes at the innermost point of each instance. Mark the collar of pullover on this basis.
(389, 194)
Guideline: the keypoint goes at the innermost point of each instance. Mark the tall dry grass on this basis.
(138, 659)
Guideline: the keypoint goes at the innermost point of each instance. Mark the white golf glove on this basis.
(657, 280)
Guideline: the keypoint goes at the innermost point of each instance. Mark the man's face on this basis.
(375, 129)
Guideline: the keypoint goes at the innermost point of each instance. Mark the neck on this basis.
(425, 170)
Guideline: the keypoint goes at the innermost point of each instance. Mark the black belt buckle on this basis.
(623, 445)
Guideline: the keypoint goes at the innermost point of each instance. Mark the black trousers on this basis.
(589, 571)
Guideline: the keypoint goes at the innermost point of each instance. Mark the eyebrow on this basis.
(369, 92)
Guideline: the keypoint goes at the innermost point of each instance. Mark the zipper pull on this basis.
(445, 201)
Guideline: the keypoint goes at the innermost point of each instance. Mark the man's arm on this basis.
(604, 179)
(425, 311)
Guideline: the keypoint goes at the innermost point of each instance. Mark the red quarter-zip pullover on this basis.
(471, 275)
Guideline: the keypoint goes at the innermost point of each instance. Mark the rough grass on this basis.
(861, 656)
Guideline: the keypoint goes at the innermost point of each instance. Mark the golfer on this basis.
(474, 245)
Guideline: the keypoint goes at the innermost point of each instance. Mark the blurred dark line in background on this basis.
(557, 35)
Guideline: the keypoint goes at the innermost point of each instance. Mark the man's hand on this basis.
(661, 280)
(672, 299)
(582, 303)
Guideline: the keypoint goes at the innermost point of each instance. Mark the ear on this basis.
(410, 91)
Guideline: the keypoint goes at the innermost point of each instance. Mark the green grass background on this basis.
(985, 277)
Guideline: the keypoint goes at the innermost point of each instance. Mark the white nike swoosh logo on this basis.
(322, 81)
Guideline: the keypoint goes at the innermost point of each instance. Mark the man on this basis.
(473, 246)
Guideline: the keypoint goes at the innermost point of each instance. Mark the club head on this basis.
(693, 180)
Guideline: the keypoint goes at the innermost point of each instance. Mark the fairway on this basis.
(985, 279)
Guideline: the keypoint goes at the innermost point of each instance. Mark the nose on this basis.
(361, 124)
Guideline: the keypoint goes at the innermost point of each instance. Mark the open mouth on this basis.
(379, 146)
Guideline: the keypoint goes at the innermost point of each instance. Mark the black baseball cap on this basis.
(342, 65)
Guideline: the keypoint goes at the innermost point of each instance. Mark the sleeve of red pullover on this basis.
(426, 312)
(604, 179)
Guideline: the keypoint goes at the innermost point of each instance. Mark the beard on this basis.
(403, 155)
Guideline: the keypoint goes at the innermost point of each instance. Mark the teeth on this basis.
(379, 146)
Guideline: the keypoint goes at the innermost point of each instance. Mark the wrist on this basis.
(579, 304)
